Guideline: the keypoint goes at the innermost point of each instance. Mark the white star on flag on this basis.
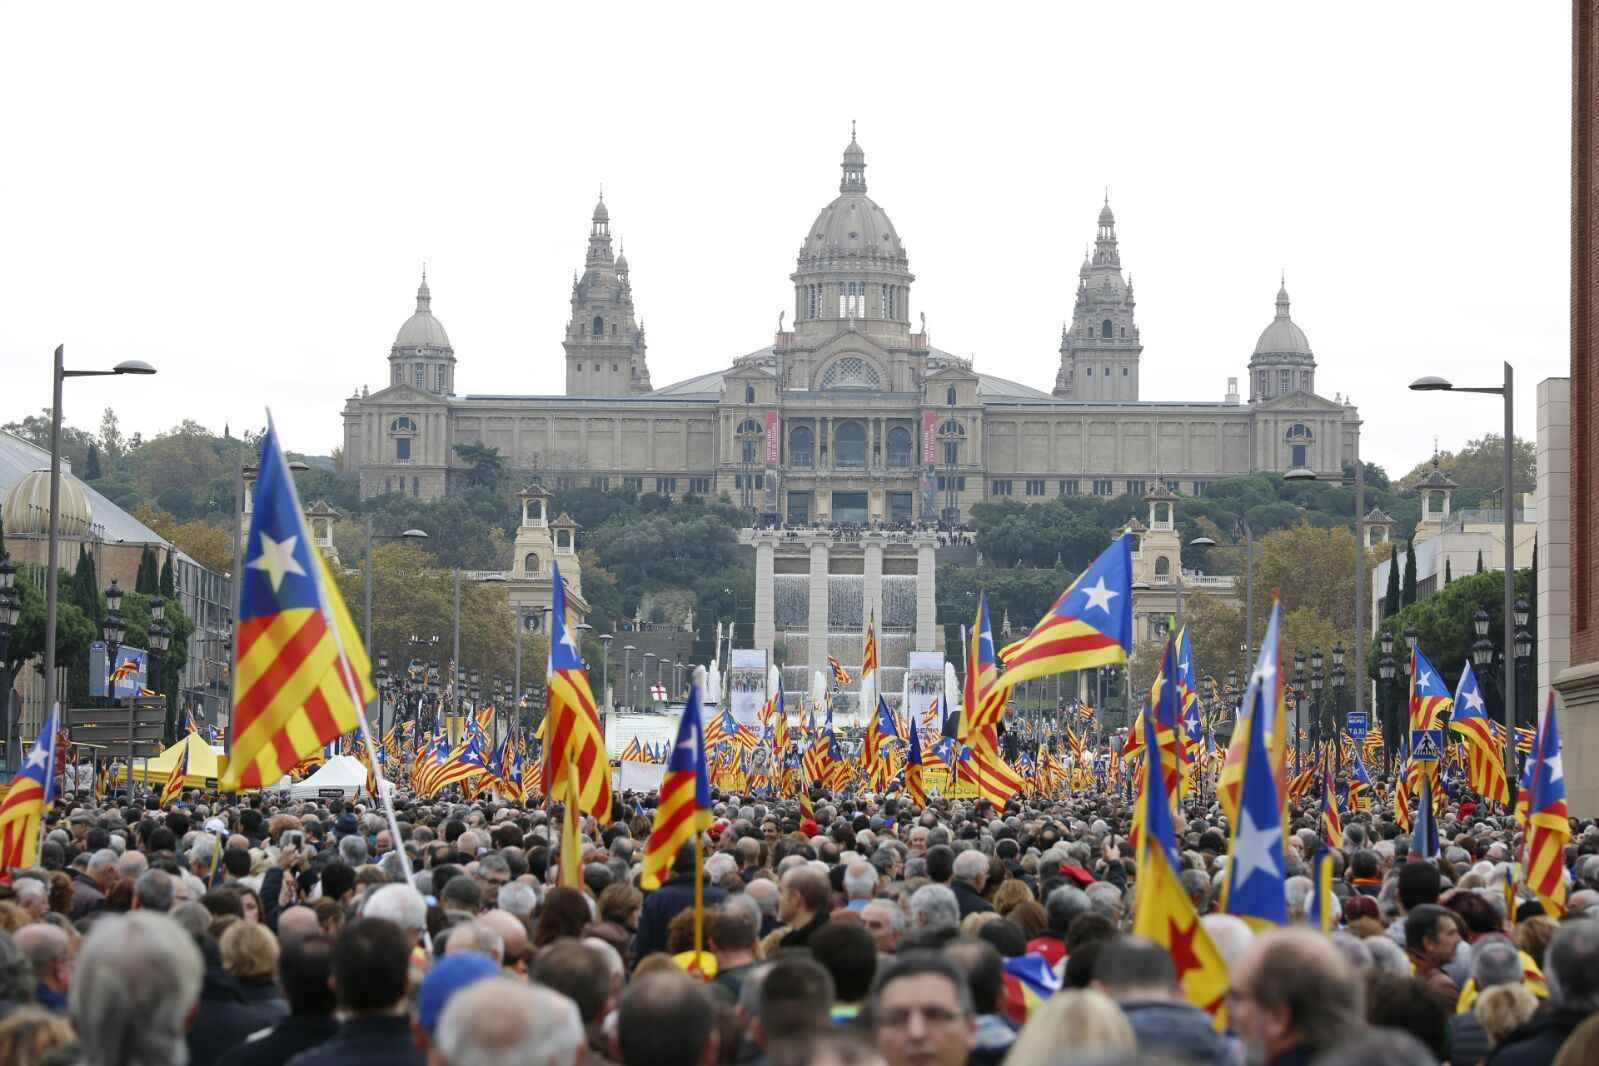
(1424, 681)
(1252, 850)
(1556, 771)
(277, 560)
(36, 757)
(1473, 700)
(1099, 596)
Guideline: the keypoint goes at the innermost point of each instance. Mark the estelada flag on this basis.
(302, 675)
(29, 794)
(685, 794)
(574, 723)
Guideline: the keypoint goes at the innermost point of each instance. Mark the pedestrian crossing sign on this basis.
(1427, 745)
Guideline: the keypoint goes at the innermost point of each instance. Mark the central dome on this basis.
(1282, 336)
(422, 330)
(853, 224)
(27, 506)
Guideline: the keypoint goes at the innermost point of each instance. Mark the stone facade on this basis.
(851, 415)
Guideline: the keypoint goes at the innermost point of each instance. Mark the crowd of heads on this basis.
(243, 930)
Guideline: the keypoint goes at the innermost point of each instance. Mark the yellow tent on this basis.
(205, 765)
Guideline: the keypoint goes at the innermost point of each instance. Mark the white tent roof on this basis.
(341, 772)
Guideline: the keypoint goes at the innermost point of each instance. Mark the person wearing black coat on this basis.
(1572, 964)
(222, 1019)
(371, 966)
(304, 969)
(674, 896)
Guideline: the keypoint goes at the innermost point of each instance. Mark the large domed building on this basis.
(849, 414)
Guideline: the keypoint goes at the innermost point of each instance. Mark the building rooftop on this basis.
(19, 458)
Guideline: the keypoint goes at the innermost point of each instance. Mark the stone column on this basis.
(927, 634)
(872, 590)
(817, 624)
(1553, 496)
(765, 595)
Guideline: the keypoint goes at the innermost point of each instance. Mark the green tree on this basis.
(148, 580)
(1407, 595)
(111, 439)
(486, 464)
(1390, 602)
(83, 593)
(1479, 560)
(1479, 464)
(1448, 573)
(74, 631)
(91, 464)
(168, 579)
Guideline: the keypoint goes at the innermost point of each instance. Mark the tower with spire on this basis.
(421, 356)
(1099, 349)
(604, 341)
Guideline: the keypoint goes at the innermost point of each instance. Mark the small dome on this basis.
(1106, 215)
(27, 506)
(1282, 337)
(621, 263)
(601, 213)
(422, 330)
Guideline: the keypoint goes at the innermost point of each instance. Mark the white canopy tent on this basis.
(342, 772)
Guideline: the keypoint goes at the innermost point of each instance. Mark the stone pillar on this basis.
(765, 595)
(817, 625)
(927, 632)
(872, 590)
(1553, 496)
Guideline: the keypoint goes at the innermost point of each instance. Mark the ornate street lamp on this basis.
(10, 611)
(1386, 668)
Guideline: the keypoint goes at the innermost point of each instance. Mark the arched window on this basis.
(749, 435)
(1299, 438)
(1104, 329)
(599, 326)
(899, 446)
(749, 393)
(949, 396)
(850, 444)
(802, 446)
(531, 563)
(951, 433)
(1162, 567)
(403, 424)
(850, 372)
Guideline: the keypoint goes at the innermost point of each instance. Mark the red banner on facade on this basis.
(771, 438)
(929, 438)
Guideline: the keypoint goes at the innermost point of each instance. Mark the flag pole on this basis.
(346, 671)
(699, 896)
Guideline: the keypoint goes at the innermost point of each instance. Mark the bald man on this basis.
(50, 952)
(514, 935)
(802, 905)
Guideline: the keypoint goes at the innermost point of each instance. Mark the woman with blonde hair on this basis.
(250, 953)
(28, 1034)
(1010, 895)
(1086, 1021)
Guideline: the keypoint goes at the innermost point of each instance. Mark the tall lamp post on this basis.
(1507, 391)
(644, 679)
(605, 669)
(1524, 644)
(627, 675)
(413, 536)
(113, 631)
(10, 610)
(1317, 681)
(1299, 698)
(1338, 679)
(159, 636)
(51, 577)
(1386, 668)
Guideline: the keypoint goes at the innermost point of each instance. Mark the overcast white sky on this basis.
(243, 194)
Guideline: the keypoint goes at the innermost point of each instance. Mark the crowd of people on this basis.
(254, 930)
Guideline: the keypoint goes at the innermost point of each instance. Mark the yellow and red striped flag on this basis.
(29, 793)
(575, 743)
(174, 786)
(302, 675)
(685, 794)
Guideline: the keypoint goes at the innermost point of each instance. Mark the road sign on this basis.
(131, 671)
(1426, 745)
(1359, 724)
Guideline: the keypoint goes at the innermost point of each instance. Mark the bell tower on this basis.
(604, 342)
(1099, 350)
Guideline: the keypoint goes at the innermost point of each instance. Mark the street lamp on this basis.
(1410, 647)
(1316, 680)
(605, 669)
(10, 611)
(1386, 668)
(644, 678)
(1338, 679)
(1507, 391)
(1299, 698)
(627, 674)
(51, 582)
(113, 630)
(412, 536)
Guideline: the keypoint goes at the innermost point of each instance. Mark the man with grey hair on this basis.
(1061, 907)
(1571, 966)
(501, 1021)
(860, 884)
(1107, 899)
(50, 953)
(137, 982)
(478, 936)
(970, 875)
(90, 886)
(520, 898)
(153, 891)
(886, 922)
(934, 907)
(400, 904)
(32, 895)
(352, 850)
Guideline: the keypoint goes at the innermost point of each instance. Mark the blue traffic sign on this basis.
(1359, 724)
(1426, 745)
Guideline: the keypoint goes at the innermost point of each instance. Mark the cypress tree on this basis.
(91, 465)
(1448, 574)
(1390, 600)
(168, 581)
(1408, 594)
(148, 579)
(84, 593)
(1479, 560)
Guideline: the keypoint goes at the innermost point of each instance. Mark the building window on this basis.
(1135, 488)
(849, 447)
(813, 301)
(633, 484)
(601, 482)
(1171, 486)
(801, 446)
(1088, 371)
(749, 432)
(1285, 381)
(613, 368)
(402, 425)
(416, 488)
(531, 563)
(1201, 488)
(420, 373)
(1162, 566)
(1262, 384)
(1124, 371)
(598, 327)
(899, 446)
(699, 486)
(944, 483)
(852, 300)
(1035, 486)
(1104, 329)
(666, 486)
(850, 372)
(402, 449)
(949, 396)
(1104, 487)
(388, 487)
(563, 484)
(1300, 455)
(1069, 487)
(885, 306)
(1001, 487)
